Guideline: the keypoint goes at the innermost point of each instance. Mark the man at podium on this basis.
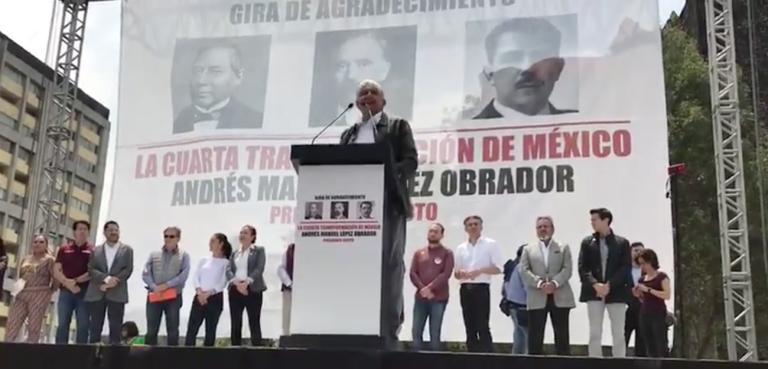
(378, 127)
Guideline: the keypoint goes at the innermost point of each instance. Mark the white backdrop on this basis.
(430, 56)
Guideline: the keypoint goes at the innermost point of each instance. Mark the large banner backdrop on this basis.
(520, 108)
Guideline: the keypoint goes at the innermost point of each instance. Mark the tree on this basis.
(691, 142)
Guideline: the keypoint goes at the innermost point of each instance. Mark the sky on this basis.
(27, 23)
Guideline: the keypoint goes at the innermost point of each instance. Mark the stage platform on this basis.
(23, 356)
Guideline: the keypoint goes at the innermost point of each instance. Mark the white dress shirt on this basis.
(484, 253)
(508, 112)
(206, 125)
(544, 248)
(110, 251)
(366, 132)
(241, 263)
(282, 271)
(211, 274)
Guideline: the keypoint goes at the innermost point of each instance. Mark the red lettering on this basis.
(600, 146)
(447, 151)
(508, 148)
(267, 158)
(534, 146)
(168, 161)
(490, 149)
(571, 145)
(466, 150)
(622, 143)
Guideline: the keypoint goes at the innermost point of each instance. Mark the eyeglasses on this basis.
(169, 236)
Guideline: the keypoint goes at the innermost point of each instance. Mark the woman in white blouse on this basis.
(209, 282)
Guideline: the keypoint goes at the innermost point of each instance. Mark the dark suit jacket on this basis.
(618, 268)
(122, 268)
(235, 115)
(396, 132)
(256, 260)
(490, 112)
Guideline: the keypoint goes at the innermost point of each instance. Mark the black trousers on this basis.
(476, 308)
(632, 324)
(209, 313)
(252, 305)
(392, 285)
(537, 321)
(653, 328)
(114, 312)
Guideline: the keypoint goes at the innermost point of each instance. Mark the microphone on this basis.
(331, 123)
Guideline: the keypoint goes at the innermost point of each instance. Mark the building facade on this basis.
(25, 85)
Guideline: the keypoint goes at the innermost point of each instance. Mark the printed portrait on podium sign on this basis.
(340, 210)
(521, 67)
(345, 58)
(219, 83)
(313, 210)
(365, 210)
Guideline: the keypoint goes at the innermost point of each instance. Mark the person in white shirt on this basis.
(476, 260)
(285, 273)
(209, 283)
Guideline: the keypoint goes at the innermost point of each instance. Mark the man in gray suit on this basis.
(110, 267)
(546, 266)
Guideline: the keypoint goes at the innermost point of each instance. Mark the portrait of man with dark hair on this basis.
(313, 210)
(217, 73)
(523, 66)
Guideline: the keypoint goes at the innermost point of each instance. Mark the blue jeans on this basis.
(434, 310)
(155, 312)
(520, 338)
(72, 303)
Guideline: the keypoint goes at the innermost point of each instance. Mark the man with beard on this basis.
(217, 73)
(524, 64)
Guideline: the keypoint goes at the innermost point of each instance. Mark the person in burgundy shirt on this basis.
(653, 289)
(430, 270)
(71, 271)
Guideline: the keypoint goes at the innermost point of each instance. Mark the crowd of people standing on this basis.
(616, 277)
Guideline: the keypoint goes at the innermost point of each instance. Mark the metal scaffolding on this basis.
(58, 134)
(734, 241)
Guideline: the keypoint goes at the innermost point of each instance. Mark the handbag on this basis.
(166, 295)
(18, 286)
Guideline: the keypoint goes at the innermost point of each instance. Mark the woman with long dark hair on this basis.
(653, 289)
(209, 282)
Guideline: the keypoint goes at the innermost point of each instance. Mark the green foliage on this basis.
(699, 282)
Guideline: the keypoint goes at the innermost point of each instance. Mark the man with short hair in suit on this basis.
(546, 266)
(378, 127)
(604, 267)
(110, 267)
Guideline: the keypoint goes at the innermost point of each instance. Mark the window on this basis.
(3, 193)
(90, 146)
(15, 224)
(86, 165)
(36, 91)
(18, 200)
(83, 184)
(7, 121)
(81, 206)
(6, 144)
(91, 125)
(13, 74)
(25, 155)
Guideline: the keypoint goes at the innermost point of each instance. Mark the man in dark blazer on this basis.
(604, 267)
(110, 267)
(377, 127)
(524, 64)
(217, 73)
(246, 276)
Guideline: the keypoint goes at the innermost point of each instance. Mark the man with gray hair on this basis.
(216, 74)
(165, 274)
(524, 64)
(546, 266)
(378, 127)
